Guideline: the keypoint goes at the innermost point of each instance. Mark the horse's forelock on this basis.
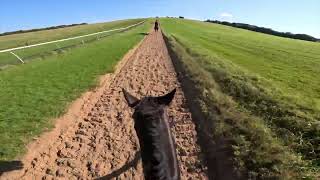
(149, 107)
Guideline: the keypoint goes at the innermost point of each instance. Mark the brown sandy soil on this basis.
(96, 139)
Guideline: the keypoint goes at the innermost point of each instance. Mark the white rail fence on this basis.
(66, 39)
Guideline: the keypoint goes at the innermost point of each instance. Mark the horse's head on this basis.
(157, 145)
(148, 105)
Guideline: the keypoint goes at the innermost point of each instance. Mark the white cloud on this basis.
(226, 15)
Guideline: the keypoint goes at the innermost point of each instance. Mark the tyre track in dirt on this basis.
(103, 143)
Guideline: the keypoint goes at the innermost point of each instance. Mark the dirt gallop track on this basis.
(102, 143)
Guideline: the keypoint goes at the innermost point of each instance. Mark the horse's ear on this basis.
(131, 100)
(166, 99)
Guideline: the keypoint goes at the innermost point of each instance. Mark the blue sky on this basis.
(297, 16)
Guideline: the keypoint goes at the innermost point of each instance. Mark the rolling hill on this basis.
(253, 95)
(260, 92)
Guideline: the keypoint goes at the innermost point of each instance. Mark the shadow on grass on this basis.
(126, 167)
(6, 166)
(143, 34)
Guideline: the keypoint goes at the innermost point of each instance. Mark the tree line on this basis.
(267, 30)
(40, 29)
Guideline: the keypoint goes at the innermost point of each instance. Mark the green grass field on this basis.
(259, 92)
(40, 52)
(33, 94)
(267, 90)
(16, 40)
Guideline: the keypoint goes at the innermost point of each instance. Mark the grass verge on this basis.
(33, 94)
(270, 136)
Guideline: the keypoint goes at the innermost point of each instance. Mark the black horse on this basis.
(158, 150)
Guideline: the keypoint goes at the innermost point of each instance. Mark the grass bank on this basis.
(41, 52)
(33, 94)
(16, 40)
(246, 89)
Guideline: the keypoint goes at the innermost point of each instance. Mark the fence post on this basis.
(58, 46)
(17, 57)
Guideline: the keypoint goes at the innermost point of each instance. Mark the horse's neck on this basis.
(158, 148)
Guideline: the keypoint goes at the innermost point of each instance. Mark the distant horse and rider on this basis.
(156, 25)
(158, 149)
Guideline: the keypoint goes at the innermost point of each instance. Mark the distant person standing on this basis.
(156, 26)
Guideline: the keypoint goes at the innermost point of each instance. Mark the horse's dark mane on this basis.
(149, 124)
(157, 145)
(158, 156)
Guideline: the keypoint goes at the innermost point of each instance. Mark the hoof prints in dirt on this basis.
(104, 143)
